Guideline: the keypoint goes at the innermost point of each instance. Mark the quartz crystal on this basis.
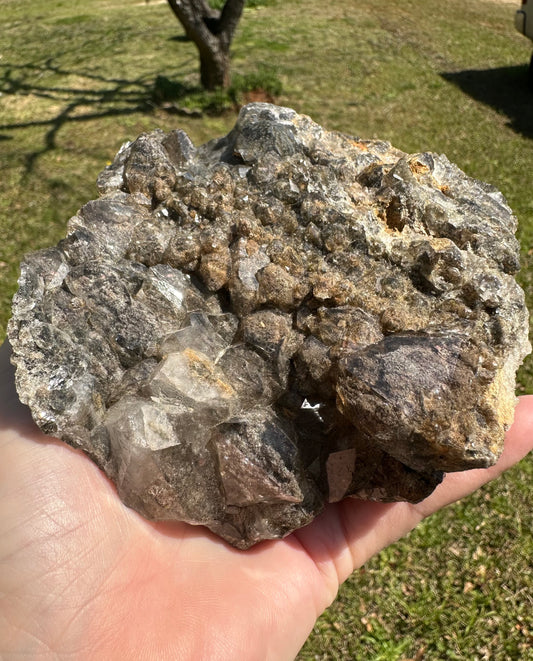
(241, 332)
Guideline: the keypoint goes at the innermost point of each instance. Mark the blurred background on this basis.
(449, 76)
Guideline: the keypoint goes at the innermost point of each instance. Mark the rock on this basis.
(241, 332)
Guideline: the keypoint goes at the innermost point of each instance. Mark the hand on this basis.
(84, 577)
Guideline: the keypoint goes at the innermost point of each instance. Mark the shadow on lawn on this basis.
(505, 89)
(97, 96)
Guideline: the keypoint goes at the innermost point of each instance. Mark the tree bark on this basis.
(212, 32)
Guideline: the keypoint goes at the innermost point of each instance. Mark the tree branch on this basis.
(212, 32)
(195, 15)
(229, 18)
(191, 15)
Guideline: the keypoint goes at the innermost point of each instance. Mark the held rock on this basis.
(241, 332)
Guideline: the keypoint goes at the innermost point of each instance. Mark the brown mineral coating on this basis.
(286, 316)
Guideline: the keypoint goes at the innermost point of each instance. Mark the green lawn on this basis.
(440, 75)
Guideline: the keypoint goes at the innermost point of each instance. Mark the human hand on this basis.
(84, 577)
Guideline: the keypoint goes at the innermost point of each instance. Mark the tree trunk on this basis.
(212, 32)
(214, 70)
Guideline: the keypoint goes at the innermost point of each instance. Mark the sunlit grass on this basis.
(441, 76)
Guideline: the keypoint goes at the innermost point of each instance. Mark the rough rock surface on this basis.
(241, 332)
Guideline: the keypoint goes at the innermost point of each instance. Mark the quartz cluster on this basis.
(241, 332)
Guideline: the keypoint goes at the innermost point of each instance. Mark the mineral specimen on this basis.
(241, 332)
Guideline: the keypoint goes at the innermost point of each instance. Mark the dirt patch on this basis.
(258, 95)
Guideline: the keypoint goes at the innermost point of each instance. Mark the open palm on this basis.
(84, 577)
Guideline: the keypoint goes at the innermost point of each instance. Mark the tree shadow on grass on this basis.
(505, 89)
(96, 96)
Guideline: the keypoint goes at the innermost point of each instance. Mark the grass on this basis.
(443, 75)
(456, 588)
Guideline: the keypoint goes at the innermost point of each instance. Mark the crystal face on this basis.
(241, 332)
